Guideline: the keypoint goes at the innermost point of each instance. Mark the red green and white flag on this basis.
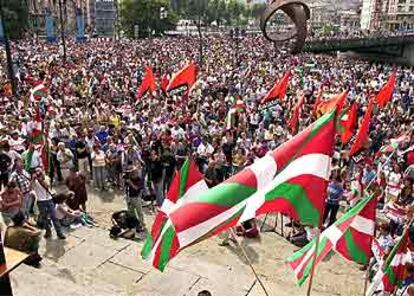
(38, 136)
(291, 179)
(301, 169)
(395, 143)
(38, 92)
(239, 104)
(351, 236)
(187, 77)
(161, 243)
(391, 275)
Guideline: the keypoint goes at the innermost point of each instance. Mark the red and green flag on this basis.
(278, 90)
(38, 136)
(385, 94)
(291, 179)
(187, 77)
(148, 83)
(38, 92)
(391, 275)
(161, 243)
(351, 236)
(395, 143)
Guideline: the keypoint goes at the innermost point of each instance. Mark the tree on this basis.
(146, 14)
(16, 17)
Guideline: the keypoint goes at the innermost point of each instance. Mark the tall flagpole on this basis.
(248, 261)
(62, 30)
(314, 257)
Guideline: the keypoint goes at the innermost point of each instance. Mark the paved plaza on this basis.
(88, 262)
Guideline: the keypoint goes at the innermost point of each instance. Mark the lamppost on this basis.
(62, 30)
(8, 52)
(236, 35)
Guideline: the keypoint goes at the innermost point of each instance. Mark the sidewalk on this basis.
(88, 262)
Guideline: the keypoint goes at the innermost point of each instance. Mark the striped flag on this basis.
(38, 92)
(395, 143)
(291, 179)
(350, 236)
(37, 132)
(161, 242)
(390, 276)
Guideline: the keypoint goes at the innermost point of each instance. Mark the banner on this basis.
(50, 31)
(80, 24)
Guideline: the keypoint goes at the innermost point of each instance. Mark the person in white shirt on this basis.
(98, 167)
(205, 150)
(65, 158)
(45, 204)
(16, 143)
(32, 159)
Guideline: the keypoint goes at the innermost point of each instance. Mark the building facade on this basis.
(387, 15)
(400, 15)
(350, 20)
(101, 17)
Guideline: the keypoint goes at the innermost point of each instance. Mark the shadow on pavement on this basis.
(55, 249)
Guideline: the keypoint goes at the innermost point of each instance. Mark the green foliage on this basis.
(221, 12)
(146, 14)
(16, 17)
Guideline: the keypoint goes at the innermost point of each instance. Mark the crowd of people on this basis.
(100, 135)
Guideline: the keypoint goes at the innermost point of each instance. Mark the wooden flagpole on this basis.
(248, 261)
(366, 280)
(315, 255)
